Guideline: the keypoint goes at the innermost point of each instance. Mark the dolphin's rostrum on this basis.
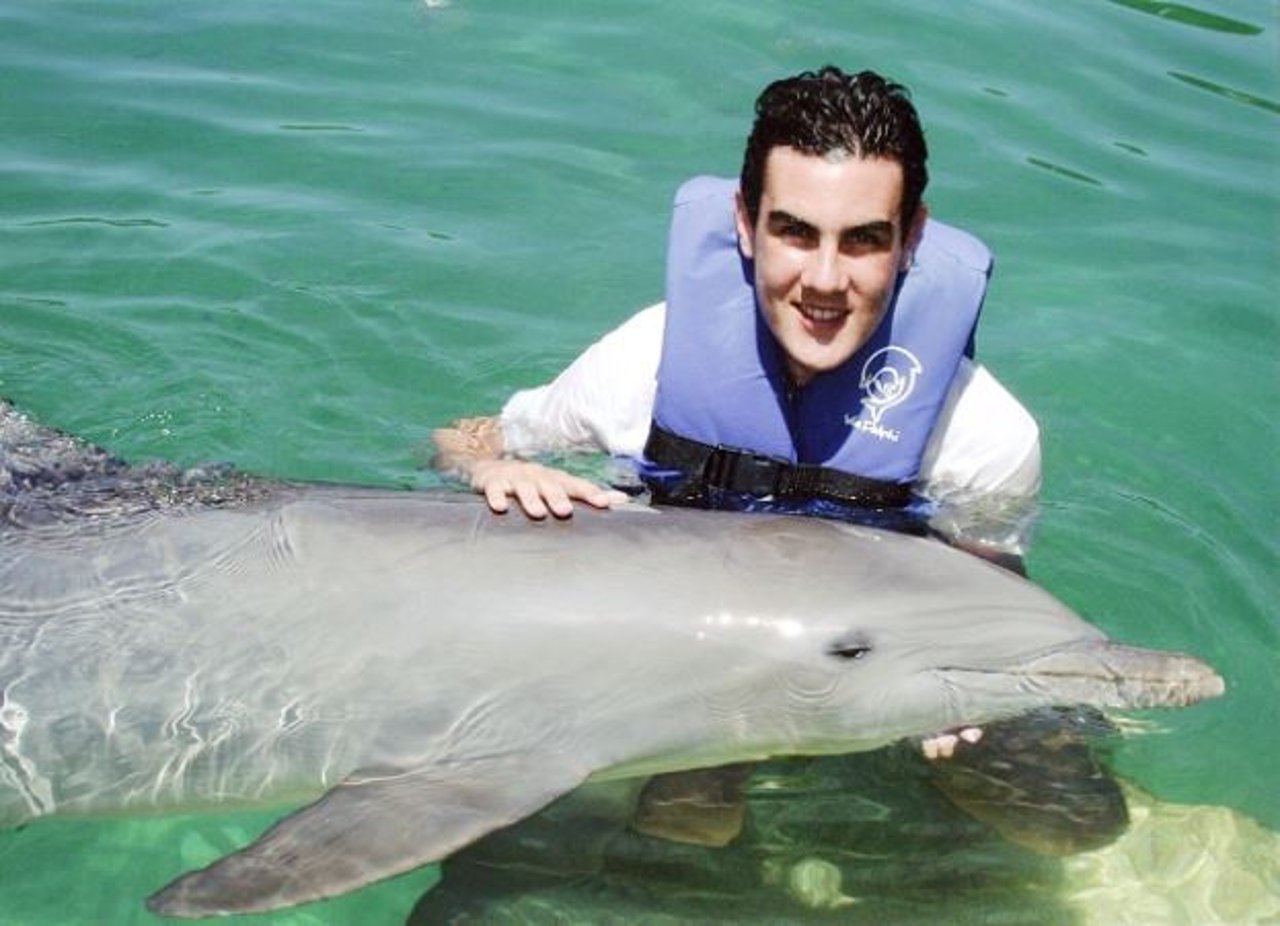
(170, 640)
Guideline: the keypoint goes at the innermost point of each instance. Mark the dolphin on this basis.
(426, 672)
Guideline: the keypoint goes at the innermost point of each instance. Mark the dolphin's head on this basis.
(891, 684)
(914, 638)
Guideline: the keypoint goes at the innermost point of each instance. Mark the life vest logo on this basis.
(887, 379)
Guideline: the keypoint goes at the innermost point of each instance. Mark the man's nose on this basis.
(823, 270)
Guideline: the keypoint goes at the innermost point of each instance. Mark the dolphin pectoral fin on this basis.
(371, 826)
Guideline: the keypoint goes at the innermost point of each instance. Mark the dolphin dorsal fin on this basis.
(373, 825)
(35, 456)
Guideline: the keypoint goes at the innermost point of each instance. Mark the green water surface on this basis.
(296, 236)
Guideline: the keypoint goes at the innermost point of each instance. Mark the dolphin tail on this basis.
(373, 825)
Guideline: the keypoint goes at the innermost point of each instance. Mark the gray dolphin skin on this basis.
(426, 672)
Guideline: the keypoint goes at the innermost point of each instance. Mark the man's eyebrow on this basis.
(782, 217)
(875, 227)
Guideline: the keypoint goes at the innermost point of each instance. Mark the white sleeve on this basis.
(982, 463)
(602, 401)
(984, 443)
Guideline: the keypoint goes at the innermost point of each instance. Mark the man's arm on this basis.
(472, 449)
(602, 402)
(982, 469)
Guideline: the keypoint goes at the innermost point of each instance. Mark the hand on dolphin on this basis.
(538, 489)
(472, 449)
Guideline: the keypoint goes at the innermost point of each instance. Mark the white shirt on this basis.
(981, 465)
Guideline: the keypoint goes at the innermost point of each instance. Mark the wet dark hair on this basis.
(818, 113)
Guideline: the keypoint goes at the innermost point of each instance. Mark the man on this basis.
(813, 354)
(827, 220)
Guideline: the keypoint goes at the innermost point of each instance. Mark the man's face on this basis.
(828, 244)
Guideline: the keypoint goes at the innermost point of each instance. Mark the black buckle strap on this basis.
(763, 476)
(740, 471)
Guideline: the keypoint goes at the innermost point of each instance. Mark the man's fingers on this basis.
(584, 490)
(943, 746)
(555, 497)
(605, 498)
(530, 498)
(560, 490)
(496, 495)
(539, 490)
(939, 747)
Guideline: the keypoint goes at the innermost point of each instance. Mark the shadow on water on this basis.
(871, 838)
(852, 839)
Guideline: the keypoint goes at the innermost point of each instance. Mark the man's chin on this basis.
(805, 365)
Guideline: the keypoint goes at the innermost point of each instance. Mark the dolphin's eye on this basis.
(853, 648)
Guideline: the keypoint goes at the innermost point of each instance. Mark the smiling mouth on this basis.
(821, 315)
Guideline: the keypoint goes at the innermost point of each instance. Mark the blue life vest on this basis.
(722, 379)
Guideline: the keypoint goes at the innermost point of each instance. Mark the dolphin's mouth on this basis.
(1095, 672)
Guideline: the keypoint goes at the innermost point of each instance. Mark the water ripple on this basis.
(98, 220)
(1063, 171)
(1190, 16)
(1238, 96)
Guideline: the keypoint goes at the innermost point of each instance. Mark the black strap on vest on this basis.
(763, 476)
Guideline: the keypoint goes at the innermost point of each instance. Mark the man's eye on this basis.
(864, 238)
(876, 237)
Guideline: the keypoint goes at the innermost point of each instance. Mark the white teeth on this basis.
(821, 315)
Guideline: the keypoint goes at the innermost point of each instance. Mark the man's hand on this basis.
(472, 450)
(943, 746)
(538, 489)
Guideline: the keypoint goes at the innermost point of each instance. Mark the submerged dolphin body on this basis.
(436, 672)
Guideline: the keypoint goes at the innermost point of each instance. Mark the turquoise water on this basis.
(297, 236)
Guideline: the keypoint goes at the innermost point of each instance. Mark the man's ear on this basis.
(913, 236)
(746, 232)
